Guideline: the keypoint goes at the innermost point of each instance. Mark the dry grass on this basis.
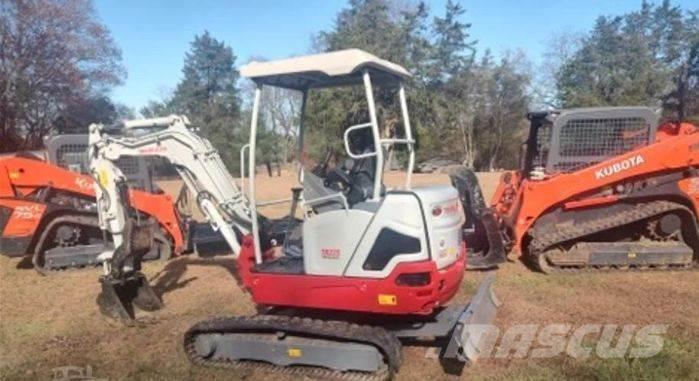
(52, 321)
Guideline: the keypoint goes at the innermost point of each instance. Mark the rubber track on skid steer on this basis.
(386, 342)
(539, 244)
(39, 254)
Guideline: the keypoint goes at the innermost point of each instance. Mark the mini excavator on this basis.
(365, 268)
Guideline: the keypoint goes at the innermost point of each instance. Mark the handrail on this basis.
(328, 197)
(397, 141)
(274, 202)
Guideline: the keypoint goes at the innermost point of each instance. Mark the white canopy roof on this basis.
(343, 67)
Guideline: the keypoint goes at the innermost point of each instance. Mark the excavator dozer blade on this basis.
(484, 241)
(119, 297)
(470, 335)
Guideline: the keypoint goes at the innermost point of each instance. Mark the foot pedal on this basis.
(119, 296)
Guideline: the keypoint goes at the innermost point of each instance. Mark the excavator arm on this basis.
(196, 161)
(198, 164)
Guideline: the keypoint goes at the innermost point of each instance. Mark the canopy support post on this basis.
(378, 177)
(251, 174)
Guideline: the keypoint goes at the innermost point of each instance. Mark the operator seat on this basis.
(361, 174)
(314, 187)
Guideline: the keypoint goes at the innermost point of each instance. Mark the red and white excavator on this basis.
(365, 267)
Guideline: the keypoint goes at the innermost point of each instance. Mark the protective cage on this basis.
(70, 152)
(583, 137)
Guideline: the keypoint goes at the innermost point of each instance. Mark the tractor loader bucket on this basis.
(119, 296)
(484, 241)
(471, 331)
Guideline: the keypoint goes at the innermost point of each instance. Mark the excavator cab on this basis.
(353, 225)
(353, 192)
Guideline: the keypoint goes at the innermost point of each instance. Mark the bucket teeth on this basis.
(119, 296)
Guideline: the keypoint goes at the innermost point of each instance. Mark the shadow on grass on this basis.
(172, 276)
(25, 264)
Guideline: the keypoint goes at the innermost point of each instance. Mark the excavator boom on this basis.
(194, 158)
(204, 174)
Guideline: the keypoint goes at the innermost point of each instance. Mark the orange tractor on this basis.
(602, 188)
(48, 213)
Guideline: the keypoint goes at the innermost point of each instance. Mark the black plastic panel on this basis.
(388, 244)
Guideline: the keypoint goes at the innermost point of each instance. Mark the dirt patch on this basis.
(52, 321)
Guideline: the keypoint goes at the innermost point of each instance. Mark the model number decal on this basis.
(330, 253)
(693, 186)
(83, 183)
(28, 212)
(619, 167)
(451, 208)
(156, 149)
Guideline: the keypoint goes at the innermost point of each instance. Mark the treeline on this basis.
(57, 63)
(466, 103)
(648, 57)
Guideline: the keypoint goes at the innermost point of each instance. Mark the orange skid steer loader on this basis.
(605, 189)
(48, 214)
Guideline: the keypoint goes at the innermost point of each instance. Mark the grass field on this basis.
(52, 321)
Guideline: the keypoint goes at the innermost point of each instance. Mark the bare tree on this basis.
(560, 48)
(52, 53)
(282, 109)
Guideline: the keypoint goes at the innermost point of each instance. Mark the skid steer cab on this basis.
(363, 264)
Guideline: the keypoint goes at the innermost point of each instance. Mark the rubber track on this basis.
(539, 244)
(86, 221)
(386, 342)
(46, 270)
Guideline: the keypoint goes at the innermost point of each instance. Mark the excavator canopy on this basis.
(340, 68)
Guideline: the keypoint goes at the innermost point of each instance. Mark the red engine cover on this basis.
(369, 295)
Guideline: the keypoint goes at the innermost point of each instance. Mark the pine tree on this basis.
(208, 94)
(639, 58)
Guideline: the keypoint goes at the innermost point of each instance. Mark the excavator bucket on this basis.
(123, 290)
(119, 297)
(484, 240)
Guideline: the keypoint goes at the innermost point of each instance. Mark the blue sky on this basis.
(155, 34)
